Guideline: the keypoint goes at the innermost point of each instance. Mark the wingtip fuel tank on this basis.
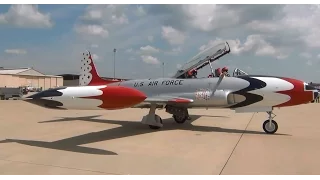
(96, 97)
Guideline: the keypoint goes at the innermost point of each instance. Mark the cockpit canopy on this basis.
(238, 72)
(205, 57)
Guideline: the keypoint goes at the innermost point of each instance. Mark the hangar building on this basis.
(28, 77)
(70, 79)
(73, 79)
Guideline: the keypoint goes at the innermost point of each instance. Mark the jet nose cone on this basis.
(300, 93)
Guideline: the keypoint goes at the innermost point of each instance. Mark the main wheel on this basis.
(180, 119)
(156, 127)
(270, 129)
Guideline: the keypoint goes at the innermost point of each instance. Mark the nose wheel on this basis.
(270, 126)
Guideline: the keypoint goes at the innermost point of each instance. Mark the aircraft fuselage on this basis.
(232, 92)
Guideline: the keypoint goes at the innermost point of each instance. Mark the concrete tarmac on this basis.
(35, 140)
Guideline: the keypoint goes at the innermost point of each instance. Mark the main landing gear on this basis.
(270, 126)
(154, 121)
(180, 115)
(181, 119)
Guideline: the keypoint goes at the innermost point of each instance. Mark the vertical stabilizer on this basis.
(89, 75)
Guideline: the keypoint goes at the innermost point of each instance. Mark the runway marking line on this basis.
(234, 148)
(63, 167)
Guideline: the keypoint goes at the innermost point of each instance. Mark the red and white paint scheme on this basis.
(242, 93)
(89, 97)
(89, 74)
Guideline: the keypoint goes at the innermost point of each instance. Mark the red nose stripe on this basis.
(298, 94)
(117, 97)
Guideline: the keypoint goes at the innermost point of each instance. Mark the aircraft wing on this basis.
(168, 100)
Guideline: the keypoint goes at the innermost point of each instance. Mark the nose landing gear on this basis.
(270, 126)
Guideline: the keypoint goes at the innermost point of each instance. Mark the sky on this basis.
(281, 40)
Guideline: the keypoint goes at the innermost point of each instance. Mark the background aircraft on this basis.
(242, 93)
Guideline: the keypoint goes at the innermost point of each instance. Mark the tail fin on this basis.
(89, 75)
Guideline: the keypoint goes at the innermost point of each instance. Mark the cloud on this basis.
(303, 18)
(129, 50)
(26, 16)
(254, 43)
(95, 56)
(172, 35)
(150, 59)
(117, 23)
(309, 63)
(306, 55)
(140, 11)
(208, 17)
(114, 14)
(149, 49)
(15, 51)
(263, 26)
(295, 22)
(283, 26)
(203, 17)
(259, 35)
(93, 15)
(94, 45)
(150, 38)
(174, 51)
(94, 30)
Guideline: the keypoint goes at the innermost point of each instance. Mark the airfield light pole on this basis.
(163, 69)
(114, 63)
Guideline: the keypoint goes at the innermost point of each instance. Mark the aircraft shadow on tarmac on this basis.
(127, 129)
